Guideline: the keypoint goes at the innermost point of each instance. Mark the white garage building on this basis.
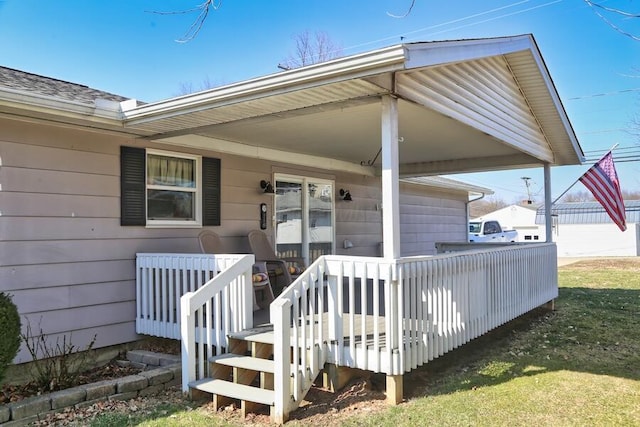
(584, 229)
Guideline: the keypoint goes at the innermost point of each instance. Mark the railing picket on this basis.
(295, 341)
(423, 316)
(389, 325)
(431, 342)
(352, 314)
(339, 315)
(364, 313)
(411, 299)
(319, 359)
(304, 319)
(155, 300)
(449, 303)
(162, 318)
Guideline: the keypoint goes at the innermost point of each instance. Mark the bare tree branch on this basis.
(202, 10)
(311, 50)
(413, 3)
(611, 24)
(610, 9)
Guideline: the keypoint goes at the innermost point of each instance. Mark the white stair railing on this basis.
(327, 312)
(297, 318)
(221, 306)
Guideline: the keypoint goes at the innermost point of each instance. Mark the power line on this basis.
(617, 149)
(592, 132)
(597, 95)
(621, 154)
(455, 21)
(497, 17)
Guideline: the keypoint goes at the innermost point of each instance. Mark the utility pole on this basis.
(527, 184)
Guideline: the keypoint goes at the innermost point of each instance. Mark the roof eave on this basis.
(448, 184)
(542, 66)
(101, 110)
(357, 66)
(428, 54)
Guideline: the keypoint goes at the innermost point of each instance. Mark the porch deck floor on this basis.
(261, 318)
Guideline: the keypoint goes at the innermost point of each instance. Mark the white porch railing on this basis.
(161, 279)
(392, 316)
(199, 298)
(385, 316)
(450, 299)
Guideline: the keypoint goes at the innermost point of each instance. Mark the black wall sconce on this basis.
(267, 187)
(345, 195)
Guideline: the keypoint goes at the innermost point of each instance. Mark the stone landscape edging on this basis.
(165, 371)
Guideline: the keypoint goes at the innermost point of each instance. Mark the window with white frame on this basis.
(161, 188)
(172, 188)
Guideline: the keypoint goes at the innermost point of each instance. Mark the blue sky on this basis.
(121, 47)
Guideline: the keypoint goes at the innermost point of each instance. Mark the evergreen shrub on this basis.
(9, 332)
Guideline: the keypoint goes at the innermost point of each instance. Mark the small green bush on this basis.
(9, 332)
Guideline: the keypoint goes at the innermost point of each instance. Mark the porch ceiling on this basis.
(462, 106)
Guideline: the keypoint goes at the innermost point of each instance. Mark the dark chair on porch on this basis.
(282, 271)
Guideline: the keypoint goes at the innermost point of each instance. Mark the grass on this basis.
(166, 415)
(578, 365)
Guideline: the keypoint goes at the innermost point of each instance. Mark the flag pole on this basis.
(576, 181)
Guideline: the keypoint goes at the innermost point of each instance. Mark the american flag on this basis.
(602, 180)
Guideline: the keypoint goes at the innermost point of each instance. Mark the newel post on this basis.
(188, 338)
(281, 319)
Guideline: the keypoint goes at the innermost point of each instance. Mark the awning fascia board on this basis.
(353, 67)
(428, 54)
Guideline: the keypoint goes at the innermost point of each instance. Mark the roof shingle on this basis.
(34, 83)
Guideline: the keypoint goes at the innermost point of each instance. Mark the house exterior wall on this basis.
(70, 265)
(429, 218)
(587, 240)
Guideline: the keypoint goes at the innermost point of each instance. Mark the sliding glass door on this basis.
(304, 217)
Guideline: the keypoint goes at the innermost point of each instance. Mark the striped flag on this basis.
(602, 180)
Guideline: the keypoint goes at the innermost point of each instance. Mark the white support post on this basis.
(390, 178)
(547, 203)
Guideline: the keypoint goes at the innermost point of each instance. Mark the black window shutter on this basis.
(132, 186)
(210, 191)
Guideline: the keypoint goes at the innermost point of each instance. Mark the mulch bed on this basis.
(112, 370)
(13, 393)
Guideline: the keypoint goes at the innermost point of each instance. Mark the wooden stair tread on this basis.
(244, 362)
(235, 391)
(260, 334)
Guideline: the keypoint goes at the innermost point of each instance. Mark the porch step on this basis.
(244, 362)
(260, 334)
(235, 391)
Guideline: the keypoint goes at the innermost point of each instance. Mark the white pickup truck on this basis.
(490, 231)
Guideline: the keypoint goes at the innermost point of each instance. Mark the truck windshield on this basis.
(474, 227)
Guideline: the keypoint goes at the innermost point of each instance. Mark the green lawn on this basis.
(576, 366)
